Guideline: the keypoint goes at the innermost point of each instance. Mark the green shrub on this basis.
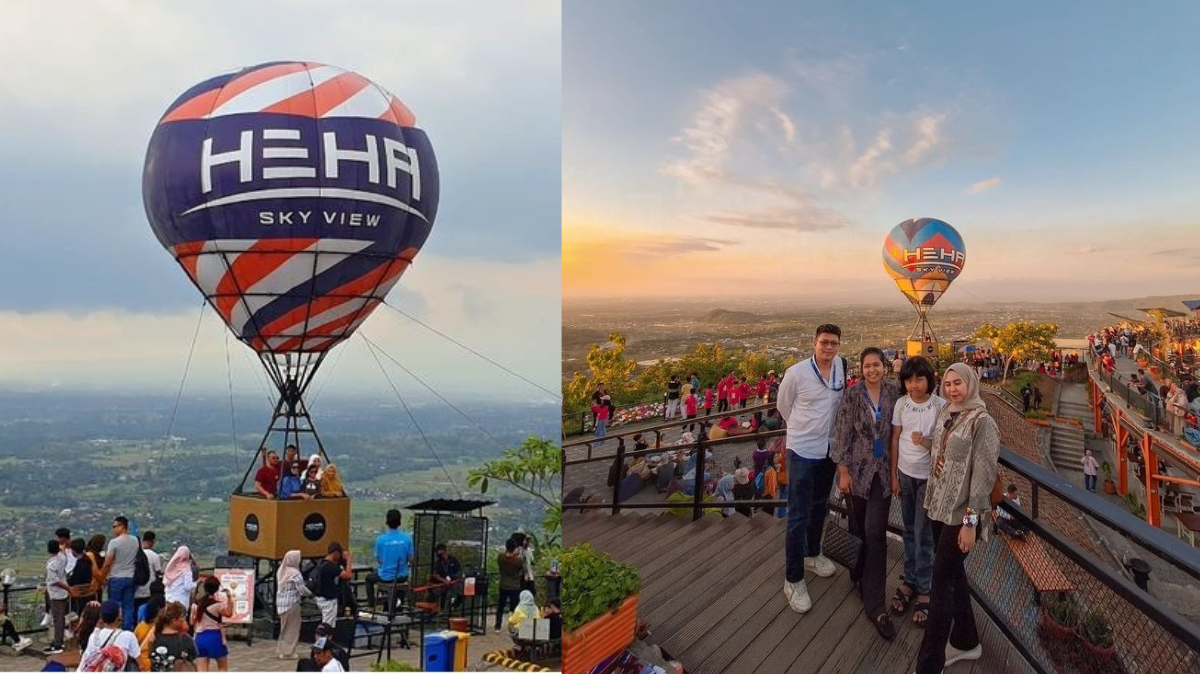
(1095, 630)
(393, 666)
(593, 584)
(1064, 611)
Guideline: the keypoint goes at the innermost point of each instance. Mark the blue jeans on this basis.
(600, 423)
(809, 484)
(918, 534)
(1089, 482)
(121, 591)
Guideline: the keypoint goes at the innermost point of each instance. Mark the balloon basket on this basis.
(267, 529)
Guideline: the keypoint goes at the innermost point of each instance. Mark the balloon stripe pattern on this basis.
(294, 195)
(923, 256)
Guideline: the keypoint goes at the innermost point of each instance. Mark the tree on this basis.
(1020, 340)
(606, 363)
(534, 468)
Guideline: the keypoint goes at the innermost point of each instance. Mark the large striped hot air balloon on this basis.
(293, 195)
(923, 256)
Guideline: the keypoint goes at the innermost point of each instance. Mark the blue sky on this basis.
(776, 144)
(95, 301)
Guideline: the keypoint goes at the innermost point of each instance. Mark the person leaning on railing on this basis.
(966, 446)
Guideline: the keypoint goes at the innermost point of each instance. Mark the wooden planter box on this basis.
(599, 639)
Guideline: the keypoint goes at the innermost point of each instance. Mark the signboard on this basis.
(537, 629)
(240, 583)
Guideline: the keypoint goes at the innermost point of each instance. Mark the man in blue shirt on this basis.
(393, 558)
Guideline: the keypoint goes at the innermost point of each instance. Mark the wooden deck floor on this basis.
(712, 593)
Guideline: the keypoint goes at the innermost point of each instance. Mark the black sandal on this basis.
(883, 625)
(921, 607)
(902, 599)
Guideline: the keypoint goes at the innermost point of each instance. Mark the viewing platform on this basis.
(712, 587)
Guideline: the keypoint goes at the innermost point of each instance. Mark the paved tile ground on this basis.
(261, 656)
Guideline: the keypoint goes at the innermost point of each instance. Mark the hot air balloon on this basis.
(923, 256)
(293, 195)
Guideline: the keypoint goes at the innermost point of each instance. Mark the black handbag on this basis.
(839, 544)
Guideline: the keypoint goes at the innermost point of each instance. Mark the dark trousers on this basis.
(7, 630)
(390, 585)
(508, 601)
(950, 616)
(809, 483)
(869, 520)
(722, 405)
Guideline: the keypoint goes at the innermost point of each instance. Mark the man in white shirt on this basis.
(142, 595)
(56, 590)
(808, 399)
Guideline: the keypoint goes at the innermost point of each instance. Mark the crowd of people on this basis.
(296, 478)
(1174, 394)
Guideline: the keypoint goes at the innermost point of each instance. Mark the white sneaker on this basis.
(22, 644)
(46, 620)
(797, 596)
(953, 655)
(820, 565)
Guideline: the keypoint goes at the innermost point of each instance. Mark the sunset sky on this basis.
(714, 148)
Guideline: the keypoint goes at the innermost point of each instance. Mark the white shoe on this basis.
(797, 596)
(46, 620)
(820, 565)
(22, 644)
(953, 655)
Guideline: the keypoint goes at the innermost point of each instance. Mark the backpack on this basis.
(107, 658)
(313, 580)
(141, 567)
(760, 482)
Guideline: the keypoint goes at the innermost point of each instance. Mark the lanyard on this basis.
(876, 408)
(832, 375)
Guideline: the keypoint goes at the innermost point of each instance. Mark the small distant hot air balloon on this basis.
(923, 256)
(293, 195)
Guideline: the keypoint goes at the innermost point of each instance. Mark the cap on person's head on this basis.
(334, 547)
(741, 475)
(110, 611)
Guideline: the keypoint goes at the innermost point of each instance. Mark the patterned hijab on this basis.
(972, 401)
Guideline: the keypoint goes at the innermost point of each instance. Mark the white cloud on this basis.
(715, 124)
(1088, 250)
(508, 312)
(786, 123)
(984, 185)
(106, 70)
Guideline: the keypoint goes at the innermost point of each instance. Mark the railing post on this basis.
(1151, 459)
(583, 422)
(617, 487)
(698, 481)
(1033, 498)
(658, 439)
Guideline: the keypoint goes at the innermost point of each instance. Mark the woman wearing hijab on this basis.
(289, 589)
(966, 444)
(331, 483)
(179, 579)
(315, 460)
(1177, 406)
(724, 493)
(862, 432)
(525, 609)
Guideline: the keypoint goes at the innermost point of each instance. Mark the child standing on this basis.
(601, 412)
(689, 408)
(913, 422)
(708, 400)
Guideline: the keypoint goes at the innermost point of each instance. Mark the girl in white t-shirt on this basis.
(913, 421)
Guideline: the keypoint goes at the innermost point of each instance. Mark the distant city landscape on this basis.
(78, 459)
(658, 329)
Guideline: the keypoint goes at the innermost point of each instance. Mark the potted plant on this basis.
(1057, 630)
(599, 607)
(1099, 647)
(1109, 486)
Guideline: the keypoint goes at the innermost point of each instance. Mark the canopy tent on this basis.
(1162, 312)
(1067, 345)
(1138, 321)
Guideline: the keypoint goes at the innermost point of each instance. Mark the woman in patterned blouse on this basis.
(862, 432)
(966, 444)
